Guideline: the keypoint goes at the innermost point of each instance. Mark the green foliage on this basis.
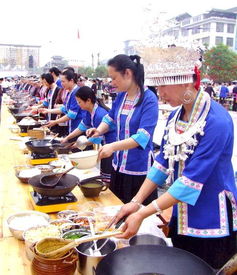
(221, 63)
(87, 71)
(100, 71)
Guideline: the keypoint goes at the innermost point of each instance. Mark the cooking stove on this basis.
(42, 158)
(52, 204)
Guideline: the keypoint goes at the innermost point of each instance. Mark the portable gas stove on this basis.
(23, 133)
(51, 204)
(42, 158)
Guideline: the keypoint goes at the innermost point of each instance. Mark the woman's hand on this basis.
(125, 211)
(43, 110)
(106, 151)
(51, 123)
(131, 226)
(64, 140)
(92, 132)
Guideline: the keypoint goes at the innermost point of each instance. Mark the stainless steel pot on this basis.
(88, 263)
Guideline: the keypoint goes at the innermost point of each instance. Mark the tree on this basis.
(101, 71)
(87, 71)
(221, 63)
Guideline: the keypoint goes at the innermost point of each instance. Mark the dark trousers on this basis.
(235, 105)
(125, 187)
(215, 251)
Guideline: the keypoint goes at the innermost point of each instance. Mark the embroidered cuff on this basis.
(142, 137)
(82, 127)
(63, 109)
(108, 120)
(71, 114)
(45, 103)
(185, 190)
(157, 173)
(96, 140)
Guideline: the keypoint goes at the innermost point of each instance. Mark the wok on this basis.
(43, 146)
(14, 110)
(20, 116)
(64, 186)
(152, 259)
(25, 128)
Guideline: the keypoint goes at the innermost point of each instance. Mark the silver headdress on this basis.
(169, 66)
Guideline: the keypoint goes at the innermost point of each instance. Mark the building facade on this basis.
(19, 57)
(210, 29)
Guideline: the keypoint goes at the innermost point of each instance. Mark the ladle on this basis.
(52, 179)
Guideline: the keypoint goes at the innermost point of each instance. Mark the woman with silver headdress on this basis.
(194, 163)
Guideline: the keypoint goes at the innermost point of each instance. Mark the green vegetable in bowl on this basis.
(74, 235)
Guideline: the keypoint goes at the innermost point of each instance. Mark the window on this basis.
(197, 18)
(219, 27)
(206, 40)
(230, 28)
(184, 32)
(219, 40)
(196, 30)
(186, 22)
(206, 27)
(229, 41)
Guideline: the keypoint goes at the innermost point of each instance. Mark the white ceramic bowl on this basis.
(85, 159)
(18, 232)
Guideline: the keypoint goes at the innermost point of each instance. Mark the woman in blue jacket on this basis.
(134, 117)
(95, 111)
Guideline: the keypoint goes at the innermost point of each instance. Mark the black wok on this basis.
(152, 259)
(64, 186)
(43, 146)
(20, 116)
(14, 110)
(25, 128)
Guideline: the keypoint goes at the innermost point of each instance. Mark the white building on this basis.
(211, 28)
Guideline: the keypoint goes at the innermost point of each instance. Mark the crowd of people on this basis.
(223, 92)
(194, 162)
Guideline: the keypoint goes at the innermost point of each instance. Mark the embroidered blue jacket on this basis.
(93, 120)
(139, 124)
(206, 181)
(73, 110)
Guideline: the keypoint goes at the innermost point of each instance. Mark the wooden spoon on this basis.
(53, 138)
(66, 245)
(52, 179)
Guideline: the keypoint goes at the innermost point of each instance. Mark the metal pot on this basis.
(147, 239)
(87, 263)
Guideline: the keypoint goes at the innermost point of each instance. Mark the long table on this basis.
(14, 197)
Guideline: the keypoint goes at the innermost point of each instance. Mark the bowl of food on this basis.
(25, 172)
(45, 168)
(35, 234)
(62, 224)
(84, 159)
(15, 129)
(65, 214)
(19, 222)
(83, 222)
(58, 163)
(93, 188)
(75, 234)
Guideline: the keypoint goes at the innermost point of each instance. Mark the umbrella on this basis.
(205, 80)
